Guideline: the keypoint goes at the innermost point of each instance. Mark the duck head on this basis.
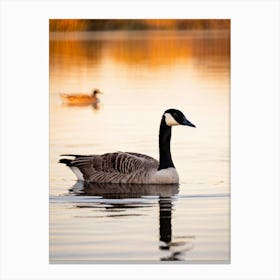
(96, 91)
(175, 117)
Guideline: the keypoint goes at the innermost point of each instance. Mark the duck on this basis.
(130, 167)
(79, 99)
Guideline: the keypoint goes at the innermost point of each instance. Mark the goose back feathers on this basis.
(120, 167)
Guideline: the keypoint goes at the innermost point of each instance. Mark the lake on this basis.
(141, 74)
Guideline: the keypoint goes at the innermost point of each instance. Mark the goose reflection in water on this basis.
(166, 196)
(165, 232)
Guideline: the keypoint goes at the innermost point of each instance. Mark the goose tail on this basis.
(75, 170)
(66, 161)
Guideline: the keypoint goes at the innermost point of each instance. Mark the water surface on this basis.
(141, 74)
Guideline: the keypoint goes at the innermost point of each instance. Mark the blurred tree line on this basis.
(137, 24)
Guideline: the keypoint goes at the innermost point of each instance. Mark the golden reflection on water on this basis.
(150, 48)
(82, 60)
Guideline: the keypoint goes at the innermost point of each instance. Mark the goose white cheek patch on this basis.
(169, 120)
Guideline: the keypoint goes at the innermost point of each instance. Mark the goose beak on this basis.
(188, 123)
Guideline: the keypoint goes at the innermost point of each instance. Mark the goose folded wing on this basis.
(113, 163)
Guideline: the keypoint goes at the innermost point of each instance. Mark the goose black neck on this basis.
(165, 159)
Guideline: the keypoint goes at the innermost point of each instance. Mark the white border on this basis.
(255, 137)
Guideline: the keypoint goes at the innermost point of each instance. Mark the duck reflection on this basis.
(173, 251)
(94, 106)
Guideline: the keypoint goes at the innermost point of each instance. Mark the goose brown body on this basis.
(118, 167)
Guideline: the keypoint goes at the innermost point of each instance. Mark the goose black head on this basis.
(176, 117)
(96, 91)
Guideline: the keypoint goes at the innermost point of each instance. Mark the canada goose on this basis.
(132, 168)
(81, 98)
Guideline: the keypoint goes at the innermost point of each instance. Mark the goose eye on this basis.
(175, 115)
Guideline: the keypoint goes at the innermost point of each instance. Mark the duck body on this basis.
(80, 98)
(132, 168)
